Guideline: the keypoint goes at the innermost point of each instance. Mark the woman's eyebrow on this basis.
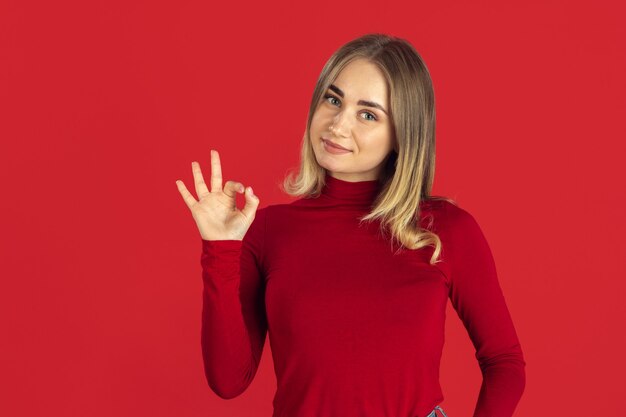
(360, 102)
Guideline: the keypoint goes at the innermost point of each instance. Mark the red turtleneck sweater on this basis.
(355, 330)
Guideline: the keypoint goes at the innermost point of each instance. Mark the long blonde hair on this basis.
(409, 171)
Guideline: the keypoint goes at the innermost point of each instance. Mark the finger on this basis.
(252, 203)
(198, 180)
(216, 172)
(187, 197)
(231, 188)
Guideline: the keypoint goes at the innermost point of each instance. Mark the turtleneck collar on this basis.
(358, 193)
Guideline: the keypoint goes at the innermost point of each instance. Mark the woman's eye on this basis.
(370, 114)
(327, 96)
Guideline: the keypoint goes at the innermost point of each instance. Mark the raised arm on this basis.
(234, 323)
(477, 297)
(233, 312)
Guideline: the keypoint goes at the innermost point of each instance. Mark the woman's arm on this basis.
(477, 297)
(234, 323)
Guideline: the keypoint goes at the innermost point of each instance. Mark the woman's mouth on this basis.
(336, 150)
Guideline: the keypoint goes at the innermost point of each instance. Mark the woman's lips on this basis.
(329, 147)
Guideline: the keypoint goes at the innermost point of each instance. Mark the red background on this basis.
(105, 104)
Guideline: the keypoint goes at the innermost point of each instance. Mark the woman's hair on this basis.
(408, 173)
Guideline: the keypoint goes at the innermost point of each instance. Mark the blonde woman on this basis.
(351, 280)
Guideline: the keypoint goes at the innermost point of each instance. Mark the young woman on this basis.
(352, 279)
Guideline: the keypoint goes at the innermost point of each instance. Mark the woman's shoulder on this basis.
(454, 223)
(444, 205)
(439, 206)
(273, 209)
(447, 214)
(271, 212)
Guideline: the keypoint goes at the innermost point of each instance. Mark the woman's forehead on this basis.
(361, 80)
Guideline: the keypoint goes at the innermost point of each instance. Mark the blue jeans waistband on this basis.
(434, 412)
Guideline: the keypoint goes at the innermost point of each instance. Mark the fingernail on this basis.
(251, 192)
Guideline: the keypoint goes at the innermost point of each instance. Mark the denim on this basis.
(434, 412)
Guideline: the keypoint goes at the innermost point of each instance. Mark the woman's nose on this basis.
(339, 126)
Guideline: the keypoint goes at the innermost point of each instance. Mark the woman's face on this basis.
(354, 114)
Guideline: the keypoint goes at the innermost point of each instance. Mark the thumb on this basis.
(252, 203)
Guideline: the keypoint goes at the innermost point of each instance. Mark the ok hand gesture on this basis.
(216, 213)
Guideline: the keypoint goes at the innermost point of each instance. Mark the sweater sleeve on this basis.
(477, 297)
(234, 323)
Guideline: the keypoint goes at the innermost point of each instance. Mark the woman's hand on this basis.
(216, 213)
